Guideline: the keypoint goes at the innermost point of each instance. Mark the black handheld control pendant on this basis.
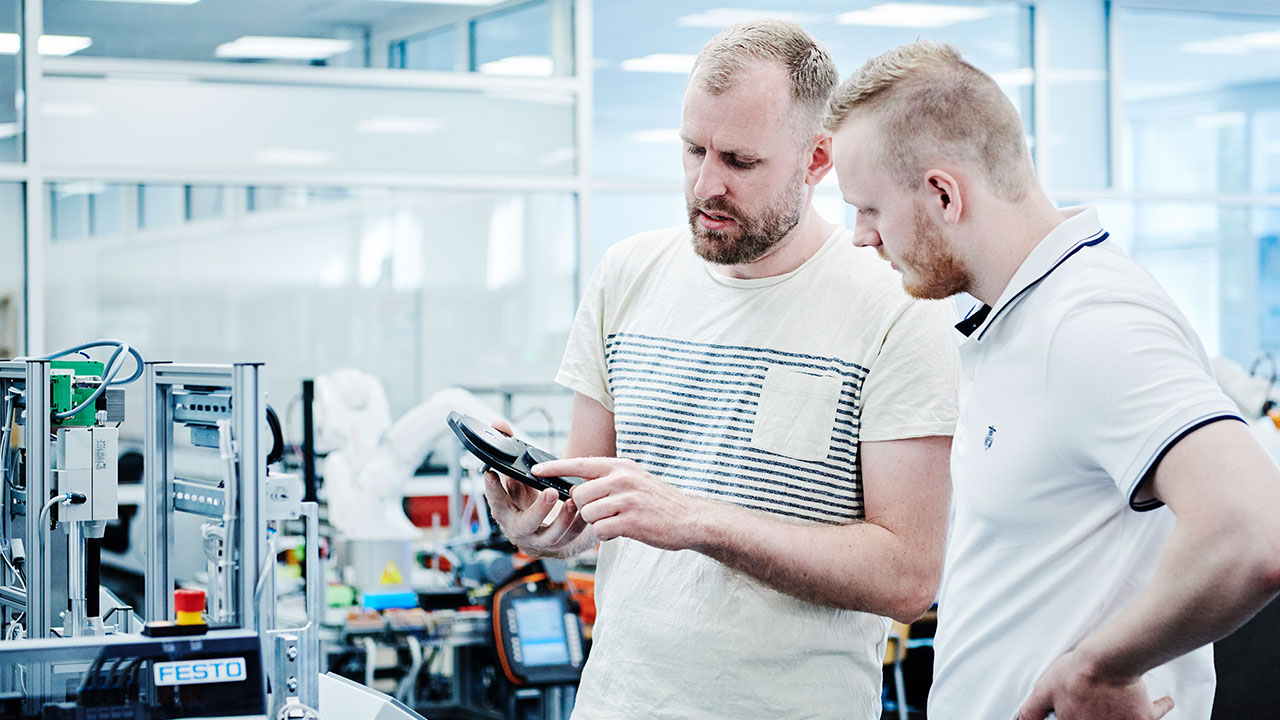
(509, 456)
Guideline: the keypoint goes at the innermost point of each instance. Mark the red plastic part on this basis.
(188, 600)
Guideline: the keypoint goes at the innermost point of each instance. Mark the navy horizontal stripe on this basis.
(736, 387)
(662, 382)
(688, 411)
(673, 422)
(705, 368)
(742, 417)
(850, 506)
(671, 473)
(744, 452)
(740, 348)
(858, 374)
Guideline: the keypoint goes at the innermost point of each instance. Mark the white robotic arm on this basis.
(365, 493)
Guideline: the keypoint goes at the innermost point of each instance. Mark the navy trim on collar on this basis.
(977, 319)
(973, 321)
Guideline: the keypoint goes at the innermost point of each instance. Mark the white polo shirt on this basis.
(1073, 385)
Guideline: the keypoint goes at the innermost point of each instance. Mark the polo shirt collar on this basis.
(1081, 229)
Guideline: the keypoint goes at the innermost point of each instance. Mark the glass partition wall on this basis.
(368, 183)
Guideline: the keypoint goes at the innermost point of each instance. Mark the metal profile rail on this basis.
(242, 504)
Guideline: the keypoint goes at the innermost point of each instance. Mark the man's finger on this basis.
(524, 495)
(1163, 706)
(503, 427)
(535, 515)
(560, 525)
(499, 500)
(587, 468)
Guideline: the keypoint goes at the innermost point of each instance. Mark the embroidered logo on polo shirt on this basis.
(991, 434)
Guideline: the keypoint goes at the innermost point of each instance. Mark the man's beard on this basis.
(930, 270)
(755, 235)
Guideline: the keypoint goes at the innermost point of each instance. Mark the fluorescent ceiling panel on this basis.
(913, 15)
(399, 125)
(156, 2)
(261, 47)
(297, 157)
(724, 17)
(446, 2)
(1233, 44)
(656, 136)
(522, 65)
(11, 44)
(661, 62)
(1217, 120)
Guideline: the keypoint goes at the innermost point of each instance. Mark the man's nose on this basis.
(864, 236)
(710, 182)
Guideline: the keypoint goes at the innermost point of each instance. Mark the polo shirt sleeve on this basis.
(583, 368)
(1128, 381)
(910, 390)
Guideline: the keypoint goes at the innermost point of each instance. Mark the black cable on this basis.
(277, 437)
(93, 576)
(308, 441)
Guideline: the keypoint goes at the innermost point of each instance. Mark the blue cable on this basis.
(111, 369)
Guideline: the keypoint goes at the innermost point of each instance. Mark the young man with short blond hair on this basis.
(1112, 514)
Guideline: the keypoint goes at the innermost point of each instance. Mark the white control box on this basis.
(87, 464)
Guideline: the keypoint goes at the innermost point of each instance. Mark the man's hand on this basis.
(621, 499)
(1070, 691)
(522, 512)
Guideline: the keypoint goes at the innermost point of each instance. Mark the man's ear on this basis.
(945, 195)
(820, 159)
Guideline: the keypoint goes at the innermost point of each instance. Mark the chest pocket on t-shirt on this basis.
(796, 414)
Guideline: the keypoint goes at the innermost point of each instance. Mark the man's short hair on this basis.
(931, 105)
(810, 71)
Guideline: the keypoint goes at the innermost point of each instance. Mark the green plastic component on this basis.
(340, 595)
(64, 396)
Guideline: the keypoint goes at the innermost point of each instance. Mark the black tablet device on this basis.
(509, 456)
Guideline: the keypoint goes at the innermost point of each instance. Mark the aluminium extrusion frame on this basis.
(33, 376)
(293, 654)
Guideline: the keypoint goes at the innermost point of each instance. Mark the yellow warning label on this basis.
(391, 575)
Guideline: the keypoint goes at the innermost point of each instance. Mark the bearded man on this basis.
(763, 417)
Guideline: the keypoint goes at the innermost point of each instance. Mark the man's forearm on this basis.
(862, 566)
(1211, 578)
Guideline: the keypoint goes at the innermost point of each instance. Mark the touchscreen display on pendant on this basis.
(541, 631)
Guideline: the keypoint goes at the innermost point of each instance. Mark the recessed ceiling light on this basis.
(661, 62)
(657, 136)
(1233, 44)
(261, 47)
(298, 157)
(69, 109)
(523, 65)
(59, 45)
(399, 125)
(156, 2)
(447, 2)
(1025, 76)
(1219, 120)
(913, 15)
(724, 17)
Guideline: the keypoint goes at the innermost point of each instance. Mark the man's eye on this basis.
(741, 164)
(695, 150)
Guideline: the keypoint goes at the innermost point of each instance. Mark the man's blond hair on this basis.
(810, 71)
(930, 106)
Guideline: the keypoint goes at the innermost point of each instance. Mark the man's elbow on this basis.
(914, 605)
(915, 594)
(1268, 568)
